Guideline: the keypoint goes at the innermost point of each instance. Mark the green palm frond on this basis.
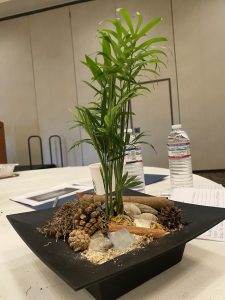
(124, 56)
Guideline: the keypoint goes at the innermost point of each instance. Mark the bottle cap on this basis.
(176, 126)
(137, 130)
(129, 130)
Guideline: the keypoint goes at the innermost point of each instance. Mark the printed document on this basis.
(206, 197)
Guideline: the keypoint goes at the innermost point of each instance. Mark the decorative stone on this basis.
(121, 239)
(146, 208)
(148, 216)
(97, 234)
(136, 216)
(131, 209)
(142, 223)
(100, 244)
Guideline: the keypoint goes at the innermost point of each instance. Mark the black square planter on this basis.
(128, 280)
(117, 276)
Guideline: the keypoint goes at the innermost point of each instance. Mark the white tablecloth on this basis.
(200, 274)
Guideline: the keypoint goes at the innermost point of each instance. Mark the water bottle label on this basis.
(133, 155)
(179, 150)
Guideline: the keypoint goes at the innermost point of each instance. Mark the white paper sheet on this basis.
(82, 181)
(47, 195)
(206, 197)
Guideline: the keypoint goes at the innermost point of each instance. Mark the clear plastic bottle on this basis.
(179, 154)
(134, 163)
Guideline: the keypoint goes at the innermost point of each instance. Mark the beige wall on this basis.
(17, 96)
(41, 78)
(200, 51)
(54, 75)
(86, 42)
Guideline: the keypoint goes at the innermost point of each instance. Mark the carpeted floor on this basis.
(215, 175)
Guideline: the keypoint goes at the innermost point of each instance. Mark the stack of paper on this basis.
(207, 197)
(54, 193)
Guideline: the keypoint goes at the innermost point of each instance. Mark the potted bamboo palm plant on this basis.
(125, 54)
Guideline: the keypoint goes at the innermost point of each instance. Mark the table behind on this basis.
(200, 274)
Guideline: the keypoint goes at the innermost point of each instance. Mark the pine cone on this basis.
(89, 217)
(171, 217)
(103, 224)
(79, 240)
(83, 215)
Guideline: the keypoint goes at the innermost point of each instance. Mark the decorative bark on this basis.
(155, 233)
(155, 202)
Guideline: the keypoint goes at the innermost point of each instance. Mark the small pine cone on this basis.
(103, 222)
(87, 210)
(94, 214)
(88, 225)
(87, 216)
(93, 228)
(76, 216)
(79, 240)
(93, 220)
(103, 225)
(90, 208)
(79, 211)
(83, 217)
(171, 217)
(82, 223)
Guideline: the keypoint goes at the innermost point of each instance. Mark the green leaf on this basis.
(151, 71)
(96, 71)
(151, 61)
(120, 30)
(116, 48)
(107, 56)
(107, 50)
(126, 18)
(148, 53)
(148, 43)
(93, 87)
(110, 32)
(78, 143)
(139, 23)
(132, 182)
(149, 26)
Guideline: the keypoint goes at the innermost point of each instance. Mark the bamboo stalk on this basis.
(155, 233)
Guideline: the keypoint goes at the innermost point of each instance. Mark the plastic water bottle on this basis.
(179, 154)
(134, 163)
